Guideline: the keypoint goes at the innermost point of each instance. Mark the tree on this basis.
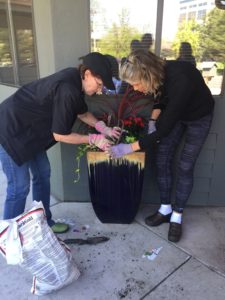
(212, 36)
(5, 53)
(118, 38)
(188, 32)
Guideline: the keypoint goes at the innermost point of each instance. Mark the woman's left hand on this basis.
(151, 126)
(119, 150)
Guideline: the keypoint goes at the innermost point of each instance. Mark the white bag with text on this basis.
(28, 241)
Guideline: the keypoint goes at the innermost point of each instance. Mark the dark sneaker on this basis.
(175, 232)
(60, 228)
(157, 219)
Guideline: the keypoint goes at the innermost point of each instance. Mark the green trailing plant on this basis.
(81, 150)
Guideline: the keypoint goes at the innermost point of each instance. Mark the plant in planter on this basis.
(130, 112)
(115, 185)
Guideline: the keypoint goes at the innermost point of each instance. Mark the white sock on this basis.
(176, 217)
(165, 209)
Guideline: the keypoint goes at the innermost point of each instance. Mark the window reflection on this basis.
(24, 40)
(17, 42)
(200, 25)
(6, 64)
(117, 29)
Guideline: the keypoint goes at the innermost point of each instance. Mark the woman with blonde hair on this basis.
(183, 107)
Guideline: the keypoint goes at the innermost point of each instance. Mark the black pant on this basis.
(195, 136)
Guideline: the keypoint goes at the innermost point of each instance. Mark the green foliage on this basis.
(133, 128)
(5, 55)
(188, 32)
(207, 39)
(166, 51)
(118, 38)
(220, 65)
(81, 151)
(25, 46)
(212, 36)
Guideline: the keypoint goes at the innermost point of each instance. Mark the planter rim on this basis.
(99, 156)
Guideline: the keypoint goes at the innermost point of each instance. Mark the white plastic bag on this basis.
(37, 249)
(14, 255)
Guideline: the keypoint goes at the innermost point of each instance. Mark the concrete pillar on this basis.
(63, 35)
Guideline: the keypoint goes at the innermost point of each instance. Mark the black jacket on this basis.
(185, 97)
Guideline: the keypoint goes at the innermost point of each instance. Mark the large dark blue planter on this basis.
(115, 186)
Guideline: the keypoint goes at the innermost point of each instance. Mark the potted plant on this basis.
(115, 185)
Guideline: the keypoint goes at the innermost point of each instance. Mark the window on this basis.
(18, 62)
(120, 26)
(184, 1)
(196, 37)
(201, 14)
(182, 17)
(202, 4)
(191, 15)
(199, 31)
(115, 24)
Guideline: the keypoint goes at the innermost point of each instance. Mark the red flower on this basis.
(127, 122)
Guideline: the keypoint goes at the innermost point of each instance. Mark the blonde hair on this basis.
(144, 67)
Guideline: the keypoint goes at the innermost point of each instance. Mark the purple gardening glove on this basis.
(119, 150)
(151, 126)
(99, 141)
(113, 133)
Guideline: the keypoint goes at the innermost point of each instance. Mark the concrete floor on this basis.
(192, 269)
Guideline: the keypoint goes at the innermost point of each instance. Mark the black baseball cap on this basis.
(100, 66)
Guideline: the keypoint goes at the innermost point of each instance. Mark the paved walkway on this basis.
(193, 269)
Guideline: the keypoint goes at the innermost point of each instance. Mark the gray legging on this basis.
(195, 136)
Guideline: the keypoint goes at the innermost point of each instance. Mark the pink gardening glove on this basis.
(113, 133)
(119, 150)
(99, 141)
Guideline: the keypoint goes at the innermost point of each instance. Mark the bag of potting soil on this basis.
(27, 240)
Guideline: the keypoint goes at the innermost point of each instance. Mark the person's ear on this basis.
(87, 74)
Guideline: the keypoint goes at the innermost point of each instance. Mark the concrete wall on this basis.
(71, 32)
(44, 36)
(62, 33)
(6, 91)
(62, 29)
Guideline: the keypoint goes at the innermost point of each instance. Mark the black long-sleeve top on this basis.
(185, 97)
(38, 109)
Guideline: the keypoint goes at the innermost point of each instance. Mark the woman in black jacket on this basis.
(183, 105)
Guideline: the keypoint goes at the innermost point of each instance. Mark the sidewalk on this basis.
(192, 269)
